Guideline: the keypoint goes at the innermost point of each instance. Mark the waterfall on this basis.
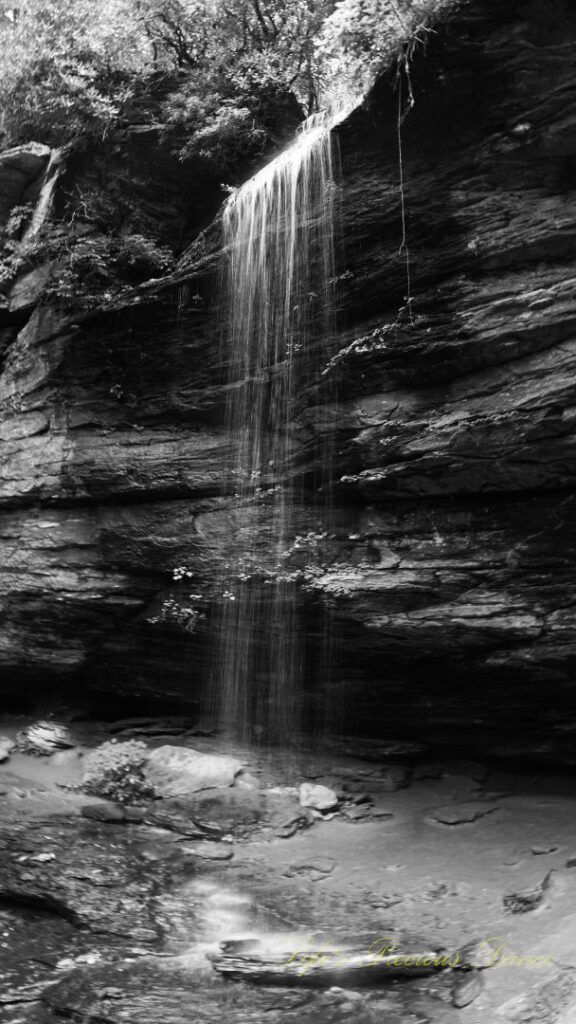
(278, 280)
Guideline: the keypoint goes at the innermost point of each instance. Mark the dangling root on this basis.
(403, 64)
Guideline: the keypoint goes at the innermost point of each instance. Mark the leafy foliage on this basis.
(217, 131)
(65, 68)
(96, 268)
(71, 68)
(87, 267)
(116, 771)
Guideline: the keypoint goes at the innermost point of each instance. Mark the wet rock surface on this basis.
(124, 920)
(65, 869)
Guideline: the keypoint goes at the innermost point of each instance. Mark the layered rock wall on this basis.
(448, 575)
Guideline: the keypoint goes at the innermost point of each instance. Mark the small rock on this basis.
(467, 989)
(106, 812)
(319, 798)
(571, 862)
(347, 997)
(380, 812)
(43, 858)
(65, 965)
(109, 993)
(325, 865)
(6, 747)
(540, 851)
(233, 946)
(43, 738)
(246, 780)
(210, 851)
(178, 771)
(285, 831)
(360, 798)
(461, 814)
(513, 861)
(525, 900)
(357, 812)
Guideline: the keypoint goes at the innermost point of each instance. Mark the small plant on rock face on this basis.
(97, 268)
(180, 613)
(116, 771)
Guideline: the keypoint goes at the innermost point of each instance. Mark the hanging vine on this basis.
(404, 108)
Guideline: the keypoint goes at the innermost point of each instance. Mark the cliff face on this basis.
(449, 573)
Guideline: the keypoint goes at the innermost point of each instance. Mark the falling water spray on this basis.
(278, 280)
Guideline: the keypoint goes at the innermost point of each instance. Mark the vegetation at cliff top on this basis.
(214, 73)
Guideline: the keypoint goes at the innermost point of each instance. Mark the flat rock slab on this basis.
(462, 814)
(233, 810)
(467, 989)
(178, 771)
(209, 851)
(175, 819)
(358, 812)
(379, 750)
(106, 811)
(318, 961)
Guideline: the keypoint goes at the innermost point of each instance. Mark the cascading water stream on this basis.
(278, 281)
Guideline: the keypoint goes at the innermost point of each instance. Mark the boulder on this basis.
(6, 747)
(179, 771)
(106, 812)
(317, 798)
(44, 738)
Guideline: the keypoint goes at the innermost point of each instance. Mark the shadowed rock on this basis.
(449, 564)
